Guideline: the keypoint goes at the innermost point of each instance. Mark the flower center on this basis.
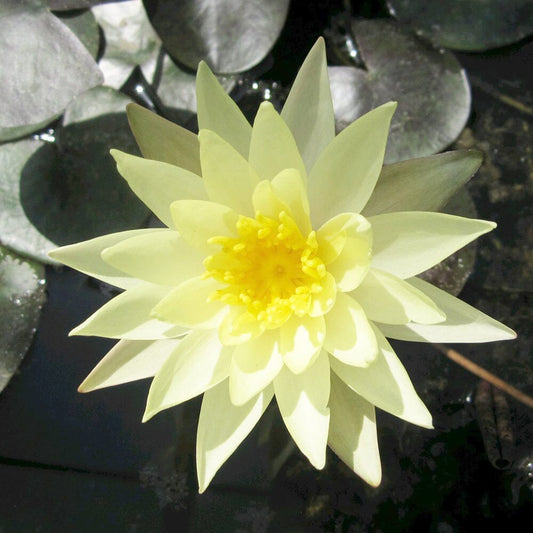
(270, 268)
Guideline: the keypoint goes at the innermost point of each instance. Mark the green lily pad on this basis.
(22, 294)
(230, 35)
(129, 41)
(467, 24)
(429, 85)
(37, 91)
(67, 191)
(84, 26)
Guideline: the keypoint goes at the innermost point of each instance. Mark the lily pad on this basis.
(130, 41)
(67, 191)
(35, 92)
(429, 85)
(22, 294)
(230, 35)
(84, 26)
(467, 24)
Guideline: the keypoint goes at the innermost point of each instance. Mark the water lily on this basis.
(281, 271)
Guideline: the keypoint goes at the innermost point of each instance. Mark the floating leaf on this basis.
(22, 295)
(58, 193)
(36, 91)
(430, 86)
(467, 24)
(84, 26)
(130, 41)
(230, 35)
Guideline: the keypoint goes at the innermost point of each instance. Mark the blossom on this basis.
(280, 272)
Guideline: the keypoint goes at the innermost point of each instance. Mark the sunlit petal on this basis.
(128, 316)
(349, 335)
(222, 427)
(158, 184)
(406, 244)
(386, 384)
(464, 323)
(302, 400)
(353, 432)
(390, 300)
(198, 363)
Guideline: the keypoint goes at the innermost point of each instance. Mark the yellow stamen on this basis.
(271, 269)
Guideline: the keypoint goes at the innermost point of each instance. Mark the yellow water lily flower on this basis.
(280, 272)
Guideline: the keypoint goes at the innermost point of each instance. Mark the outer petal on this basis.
(228, 178)
(129, 361)
(163, 140)
(158, 184)
(85, 257)
(189, 305)
(345, 243)
(198, 221)
(353, 433)
(219, 113)
(128, 316)
(273, 147)
(408, 243)
(222, 427)
(301, 339)
(253, 367)
(308, 110)
(463, 323)
(344, 176)
(198, 363)
(386, 384)
(390, 300)
(349, 336)
(161, 257)
(302, 401)
(423, 184)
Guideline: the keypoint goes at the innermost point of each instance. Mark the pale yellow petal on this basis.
(129, 361)
(239, 326)
(353, 432)
(349, 336)
(308, 110)
(463, 322)
(324, 300)
(219, 113)
(273, 148)
(345, 244)
(386, 384)
(85, 257)
(344, 176)
(189, 305)
(301, 340)
(158, 184)
(390, 300)
(222, 427)
(423, 184)
(198, 363)
(254, 365)
(408, 243)
(302, 400)
(128, 316)
(163, 140)
(228, 178)
(161, 257)
(198, 221)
